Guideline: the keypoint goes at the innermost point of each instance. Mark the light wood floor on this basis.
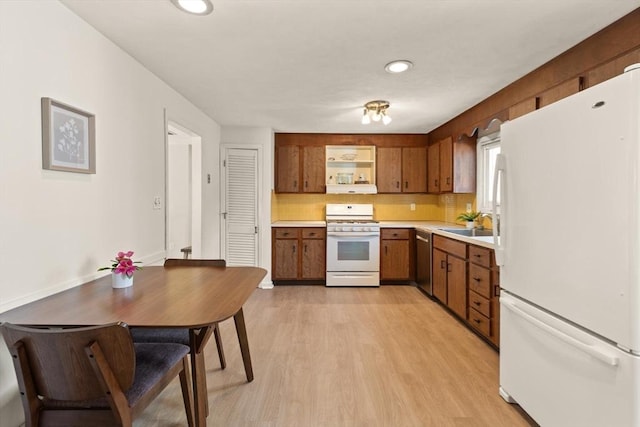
(330, 357)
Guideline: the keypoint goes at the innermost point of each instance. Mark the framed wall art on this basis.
(68, 138)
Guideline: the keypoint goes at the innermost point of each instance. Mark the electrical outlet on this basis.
(412, 206)
(157, 203)
(468, 207)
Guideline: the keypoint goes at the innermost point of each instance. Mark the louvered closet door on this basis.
(241, 202)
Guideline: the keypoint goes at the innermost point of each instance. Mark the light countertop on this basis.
(430, 226)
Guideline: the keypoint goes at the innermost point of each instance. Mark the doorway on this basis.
(183, 194)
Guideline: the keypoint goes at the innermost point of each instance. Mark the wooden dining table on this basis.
(190, 297)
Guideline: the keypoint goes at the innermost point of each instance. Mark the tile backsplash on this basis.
(387, 207)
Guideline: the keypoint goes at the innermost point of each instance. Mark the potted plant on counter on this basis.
(469, 217)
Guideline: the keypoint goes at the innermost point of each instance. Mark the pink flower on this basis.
(123, 264)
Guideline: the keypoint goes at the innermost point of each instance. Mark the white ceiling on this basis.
(309, 66)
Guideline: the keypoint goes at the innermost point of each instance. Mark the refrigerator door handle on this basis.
(499, 171)
(586, 348)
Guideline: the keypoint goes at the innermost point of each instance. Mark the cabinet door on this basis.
(394, 260)
(414, 169)
(523, 107)
(446, 165)
(389, 170)
(433, 170)
(440, 275)
(313, 259)
(457, 286)
(287, 169)
(285, 265)
(560, 91)
(313, 169)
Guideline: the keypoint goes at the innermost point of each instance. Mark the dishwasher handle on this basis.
(422, 239)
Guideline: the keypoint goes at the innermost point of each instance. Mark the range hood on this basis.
(352, 189)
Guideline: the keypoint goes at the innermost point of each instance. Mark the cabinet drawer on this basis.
(451, 246)
(480, 280)
(394, 233)
(313, 233)
(479, 255)
(480, 303)
(479, 322)
(287, 233)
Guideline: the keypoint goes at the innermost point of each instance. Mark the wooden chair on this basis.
(183, 336)
(92, 376)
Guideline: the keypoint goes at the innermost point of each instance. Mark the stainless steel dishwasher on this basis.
(423, 261)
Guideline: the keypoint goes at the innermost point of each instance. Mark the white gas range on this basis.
(353, 245)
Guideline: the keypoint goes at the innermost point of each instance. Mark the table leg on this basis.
(198, 339)
(238, 318)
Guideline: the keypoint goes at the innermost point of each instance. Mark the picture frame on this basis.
(68, 138)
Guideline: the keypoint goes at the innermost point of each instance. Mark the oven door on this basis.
(353, 252)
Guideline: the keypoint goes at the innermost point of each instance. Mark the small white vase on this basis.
(120, 280)
(470, 224)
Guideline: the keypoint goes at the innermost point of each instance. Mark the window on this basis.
(488, 149)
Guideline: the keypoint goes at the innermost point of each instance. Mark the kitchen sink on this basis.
(469, 232)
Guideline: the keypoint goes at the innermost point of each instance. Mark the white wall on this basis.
(263, 138)
(57, 228)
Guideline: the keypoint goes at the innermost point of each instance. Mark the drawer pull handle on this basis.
(477, 279)
(442, 264)
(477, 321)
(477, 303)
(477, 255)
(285, 234)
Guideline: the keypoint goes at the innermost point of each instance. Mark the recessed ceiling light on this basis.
(398, 66)
(197, 7)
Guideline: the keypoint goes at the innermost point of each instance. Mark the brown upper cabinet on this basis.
(300, 169)
(452, 166)
(401, 169)
(301, 165)
(560, 91)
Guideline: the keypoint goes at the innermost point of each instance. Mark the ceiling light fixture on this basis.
(196, 7)
(398, 66)
(376, 111)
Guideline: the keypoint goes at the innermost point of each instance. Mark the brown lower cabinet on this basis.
(467, 280)
(298, 254)
(484, 293)
(450, 274)
(397, 255)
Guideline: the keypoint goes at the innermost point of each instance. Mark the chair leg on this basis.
(187, 395)
(216, 334)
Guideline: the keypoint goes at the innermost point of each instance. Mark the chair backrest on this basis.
(57, 360)
(179, 262)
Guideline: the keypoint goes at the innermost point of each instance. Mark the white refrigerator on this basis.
(568, 181)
